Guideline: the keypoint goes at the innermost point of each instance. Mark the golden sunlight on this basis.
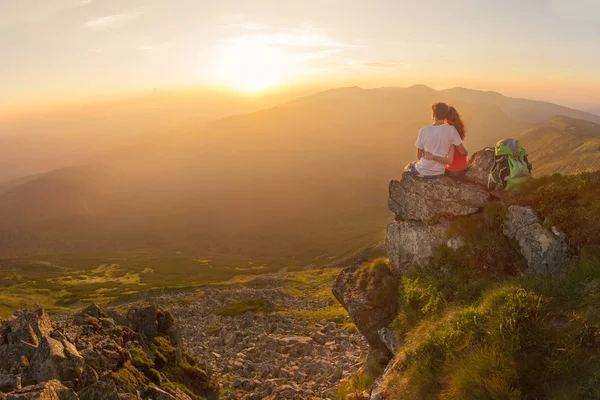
(250, 65)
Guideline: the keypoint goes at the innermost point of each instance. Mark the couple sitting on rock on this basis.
(440, 149)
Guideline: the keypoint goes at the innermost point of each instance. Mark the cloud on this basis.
(304, 39)
(112, 21)
(19, 12)
(153, 46)
(316, 55)
(586, 10)
(372, 66)
(252, 27)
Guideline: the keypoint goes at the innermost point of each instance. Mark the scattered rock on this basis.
(544, 251)
(276, 355)
(42, 391)
(101, 390)
(92, 358)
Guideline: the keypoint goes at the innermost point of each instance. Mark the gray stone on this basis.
(9, 383)
(51, 390)
(92, 310)
(52, 361)
(143, 319)
(389, 337)
(28, 325)
(433, 200)
(412, 242)
(366, 312)
(88, 377)
(544, 250)
(101, 390)
(480, 165)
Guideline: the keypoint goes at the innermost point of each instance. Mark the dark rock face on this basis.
(96, 359)
(415, 198)
(368, 313)
(28, 326)
(54, 360)
(480, 165)
(544, 250)
(144, 319)
(9, 383)
(100, 391)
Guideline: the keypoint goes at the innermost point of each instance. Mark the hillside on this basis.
(563, 145)
(72, 191)
(499, 304)
(307, 177)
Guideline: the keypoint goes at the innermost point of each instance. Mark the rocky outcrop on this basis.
(94, 358)
(543, 249)
(54, 359)
(371, 307)
(480, 165)
(423, 209)
(415, 198)
(412, 242)
(27, 326)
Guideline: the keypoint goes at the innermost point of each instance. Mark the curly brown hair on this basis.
(455, 119)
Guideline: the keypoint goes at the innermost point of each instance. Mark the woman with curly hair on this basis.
(456, 160)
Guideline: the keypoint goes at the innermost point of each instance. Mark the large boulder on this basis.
(412, 242)
(415, 198)
(56, 360)
(543, 249)
(150, 321)
(368, 309)
(28, 325)
(480, 165)
(144, 319)
(92, 311)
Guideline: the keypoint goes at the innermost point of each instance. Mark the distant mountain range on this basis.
(307, 173)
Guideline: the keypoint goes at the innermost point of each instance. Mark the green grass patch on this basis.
(240, 307)
(357, 383)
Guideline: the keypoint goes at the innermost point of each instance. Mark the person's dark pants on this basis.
(412, 169)
(458, 175)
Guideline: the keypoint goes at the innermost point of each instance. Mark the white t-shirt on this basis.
(436, 139)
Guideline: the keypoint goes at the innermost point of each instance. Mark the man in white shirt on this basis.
(436, 139)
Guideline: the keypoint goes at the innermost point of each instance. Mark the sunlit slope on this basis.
(563, 145)
(305, 181)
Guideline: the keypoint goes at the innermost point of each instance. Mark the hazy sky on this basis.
(60, 49)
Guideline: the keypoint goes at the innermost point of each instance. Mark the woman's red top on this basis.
(460, 162)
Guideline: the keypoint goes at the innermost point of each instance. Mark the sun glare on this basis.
(251, 66)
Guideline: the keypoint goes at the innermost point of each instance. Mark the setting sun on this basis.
(250, 65)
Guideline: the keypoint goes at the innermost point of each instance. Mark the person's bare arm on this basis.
(462, 150)
(449, 159)
(420, 153)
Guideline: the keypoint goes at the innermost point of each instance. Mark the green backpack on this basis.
(511, 166)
